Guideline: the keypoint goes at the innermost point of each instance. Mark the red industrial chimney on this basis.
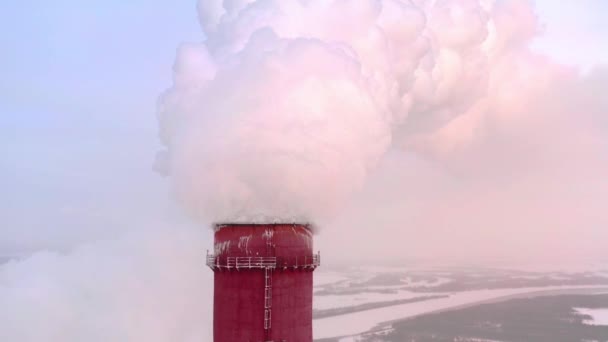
(263, 282)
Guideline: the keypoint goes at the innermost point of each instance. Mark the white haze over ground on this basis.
(405, 129)
(149, 285)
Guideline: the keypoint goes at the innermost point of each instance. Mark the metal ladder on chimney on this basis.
(267, 299)
(268, 288)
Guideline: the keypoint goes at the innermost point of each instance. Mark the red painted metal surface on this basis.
(244, 308)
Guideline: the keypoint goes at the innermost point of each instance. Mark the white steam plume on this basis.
(283, 110)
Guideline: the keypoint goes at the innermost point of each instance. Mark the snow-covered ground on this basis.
(359, 322)
(349, 288)
(342, 301)
(426, 283)
(324, 278)
(599, 316)
(354, 286)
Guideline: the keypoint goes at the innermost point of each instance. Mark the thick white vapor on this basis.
(148, 285)
(286, 106)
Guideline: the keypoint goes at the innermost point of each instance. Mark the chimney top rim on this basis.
(220, 225)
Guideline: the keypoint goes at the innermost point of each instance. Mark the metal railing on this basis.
(268, 264)
(251, 262)
(215, 262)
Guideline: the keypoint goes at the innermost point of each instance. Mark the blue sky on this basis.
(77, 105)
(575, 31)
(79, 82)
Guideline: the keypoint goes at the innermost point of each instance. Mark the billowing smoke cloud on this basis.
(288, 108)
(515, 174)
(284, 109)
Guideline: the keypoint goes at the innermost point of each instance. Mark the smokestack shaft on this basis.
(263, 282)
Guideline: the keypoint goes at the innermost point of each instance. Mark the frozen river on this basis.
(353, 324)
